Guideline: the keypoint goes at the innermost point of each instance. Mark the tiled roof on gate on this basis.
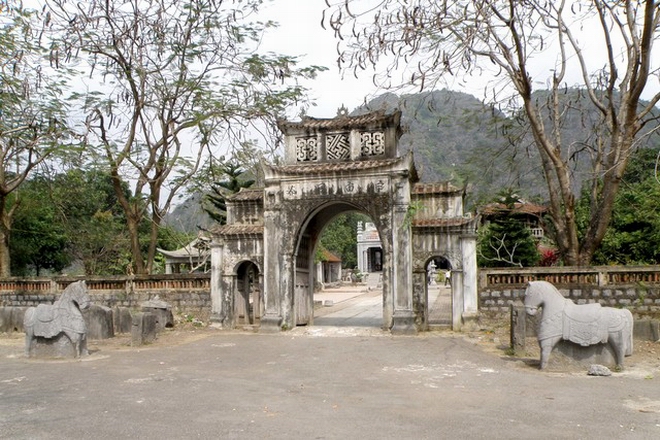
(326, 167)
(248, 194)
(442, 222)
(343, 122)
(518, 208)
(435, 188)
(238, 230)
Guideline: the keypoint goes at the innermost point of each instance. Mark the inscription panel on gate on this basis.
(314, 189)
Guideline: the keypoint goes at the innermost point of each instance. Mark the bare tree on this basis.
(436, 39)
(32, 113)
(169, 83)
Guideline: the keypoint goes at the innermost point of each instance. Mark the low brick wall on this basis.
(635, 288)
(186, 293)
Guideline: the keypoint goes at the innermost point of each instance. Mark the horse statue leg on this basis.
(29, 330)
(83, 345)
(28, 342)
(617, 341)
(79, 342)
(546, 346)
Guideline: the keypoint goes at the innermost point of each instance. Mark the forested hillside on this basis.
(456, 137)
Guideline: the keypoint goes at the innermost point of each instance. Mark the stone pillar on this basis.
(457, 300)
(218, 311)
(518, 328)
(272, 320)
(420, 301)
(470, 311)
(403, 319)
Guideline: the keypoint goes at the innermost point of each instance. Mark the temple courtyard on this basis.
(342, 377)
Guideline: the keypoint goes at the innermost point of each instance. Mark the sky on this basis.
(300, 33)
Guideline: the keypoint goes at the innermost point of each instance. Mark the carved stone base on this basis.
(271, 324)
(58, 347)
(566, 351)
(403, 323)
(470, 321)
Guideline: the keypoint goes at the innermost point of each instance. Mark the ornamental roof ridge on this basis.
(344, 122)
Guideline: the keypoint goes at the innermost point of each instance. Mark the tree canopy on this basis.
(608, 44)
(32, 112)
(633, 236)
(169, 84)
(214, 201)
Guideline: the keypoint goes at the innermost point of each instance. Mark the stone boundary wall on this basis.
(186, 293)
(634, 287)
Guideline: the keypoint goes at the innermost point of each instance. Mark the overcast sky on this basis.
(300, 33)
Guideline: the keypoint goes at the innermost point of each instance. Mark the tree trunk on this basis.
(133, 225)
(5, 260)
(133, 217)
(5, 232)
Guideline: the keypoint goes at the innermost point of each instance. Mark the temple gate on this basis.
(332, 166)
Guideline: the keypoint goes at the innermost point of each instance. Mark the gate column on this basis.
(219, 293)
(403, 320)
(271, 322)
(469, 260)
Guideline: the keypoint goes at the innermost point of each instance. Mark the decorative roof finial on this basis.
(342, 111)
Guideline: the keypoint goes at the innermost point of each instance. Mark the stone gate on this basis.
(262, 259)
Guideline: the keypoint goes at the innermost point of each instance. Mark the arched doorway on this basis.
(305, 276)
(439, 291)
(248, 302)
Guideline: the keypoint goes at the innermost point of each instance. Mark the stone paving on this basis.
(326, 381)
(339, 301)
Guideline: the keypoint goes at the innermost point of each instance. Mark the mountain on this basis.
(189, 216)
(456, 137)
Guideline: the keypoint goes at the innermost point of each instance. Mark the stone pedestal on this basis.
(568, 352)
(144, 329)
(123, 321)
(403, 323)
(99, 322)
(161, 310)
(270, 324)
(58, 347)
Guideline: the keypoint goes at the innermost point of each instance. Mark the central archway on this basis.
(306, 247)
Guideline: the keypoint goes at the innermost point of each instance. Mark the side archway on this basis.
(248, 300)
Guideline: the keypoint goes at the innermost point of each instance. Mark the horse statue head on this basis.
(541, 294)
(76, 293)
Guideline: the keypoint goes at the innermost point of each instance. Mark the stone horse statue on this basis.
(586, 324)
(64, 316)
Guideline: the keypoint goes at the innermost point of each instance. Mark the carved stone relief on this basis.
(338, 146)
(372, 143)
(307, 149)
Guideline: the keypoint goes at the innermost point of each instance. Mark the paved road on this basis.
(321, 382)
